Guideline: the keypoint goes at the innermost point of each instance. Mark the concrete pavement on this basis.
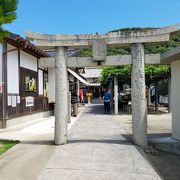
(159, 129)
(98, 148)
(26, 160)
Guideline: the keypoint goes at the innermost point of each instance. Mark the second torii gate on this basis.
(99, 42)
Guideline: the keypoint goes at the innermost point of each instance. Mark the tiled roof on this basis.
(25, 45)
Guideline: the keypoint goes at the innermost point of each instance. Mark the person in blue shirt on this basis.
(107, 99)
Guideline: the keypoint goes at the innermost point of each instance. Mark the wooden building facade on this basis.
(23, 84)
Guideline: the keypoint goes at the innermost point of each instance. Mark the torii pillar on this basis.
(61, 96)
(139, 107)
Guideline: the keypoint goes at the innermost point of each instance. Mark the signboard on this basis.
(30, 84)
(29, 101)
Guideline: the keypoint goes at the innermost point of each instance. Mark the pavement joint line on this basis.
(98, 170)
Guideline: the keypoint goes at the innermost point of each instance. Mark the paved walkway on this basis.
(98, 149)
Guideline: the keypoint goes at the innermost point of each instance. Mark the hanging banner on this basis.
(18, 99)
(13, 101)
(9, 101)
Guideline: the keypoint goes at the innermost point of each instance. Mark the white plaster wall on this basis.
(12, 71)
(1, 49)
(175, 72)
(51, 84)
(28, 61)
(40, 81)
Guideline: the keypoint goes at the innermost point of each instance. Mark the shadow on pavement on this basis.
(97, 109)
(159, 135)
(125, 142)
(38, 142)
(167, 165)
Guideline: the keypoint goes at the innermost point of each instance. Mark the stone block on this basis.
(99, 49)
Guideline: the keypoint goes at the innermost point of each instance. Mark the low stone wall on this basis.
(27, 118)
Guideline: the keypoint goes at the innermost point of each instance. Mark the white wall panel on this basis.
(175, 72)
(28, 61)
(13, 72)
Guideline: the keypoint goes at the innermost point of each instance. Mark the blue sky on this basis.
(91, 16)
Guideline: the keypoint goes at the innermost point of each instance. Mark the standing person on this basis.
(89, 95)
(74, 101)
(81, 96)
(107, 100)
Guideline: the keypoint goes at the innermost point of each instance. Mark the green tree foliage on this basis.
(122, 72)
(133, 29)
(156, 73)
(117, 50)
(152, 73)
(7, 15)
(85, 52)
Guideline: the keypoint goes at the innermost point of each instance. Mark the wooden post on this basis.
(4, 80)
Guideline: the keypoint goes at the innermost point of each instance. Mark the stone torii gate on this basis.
(99, 42)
